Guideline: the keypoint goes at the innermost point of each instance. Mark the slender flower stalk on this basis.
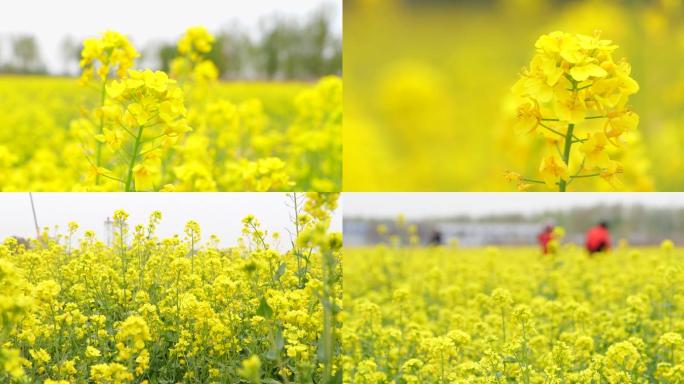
(100, 131)
(574, 92)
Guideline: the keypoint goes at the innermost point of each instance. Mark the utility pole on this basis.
(109, 231)
(35, 218)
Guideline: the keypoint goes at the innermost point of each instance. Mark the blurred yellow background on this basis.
(428, 104)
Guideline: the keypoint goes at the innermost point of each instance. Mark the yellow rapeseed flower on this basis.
(573, 79)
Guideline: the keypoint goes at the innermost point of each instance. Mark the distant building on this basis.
(468, 234)
(358, 233)
(111, 231)
(479, 234)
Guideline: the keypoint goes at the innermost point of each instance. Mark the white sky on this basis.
(144, 21)
(217, 213)
(426, 205)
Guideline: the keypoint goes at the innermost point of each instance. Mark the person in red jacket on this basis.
(598, 238)
(545, 237)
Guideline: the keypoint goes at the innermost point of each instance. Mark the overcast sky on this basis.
(142, 20)
(217, 213)
(424, 205)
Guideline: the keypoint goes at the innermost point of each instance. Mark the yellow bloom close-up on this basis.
(573, 79)
(451, 96)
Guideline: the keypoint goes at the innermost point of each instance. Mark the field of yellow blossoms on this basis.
(513, 315)
(124, 128)
(174, 310)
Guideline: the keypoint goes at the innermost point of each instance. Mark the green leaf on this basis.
(280, 272)
(279, 339)
(277, 345)
(320, 351)
(264, 310)
(337, 379)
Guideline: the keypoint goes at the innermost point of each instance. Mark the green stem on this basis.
(98, 148)
(525, 354)
(583, 87)
(503, 325)
(558, 150)
(532, 181)
(576, 175)
(297, 251)
(442, 367)
(566, 155)
(581, 176)
(112, 178)
(123, 262)
(561, 134)
(328, 314)
(136, 149)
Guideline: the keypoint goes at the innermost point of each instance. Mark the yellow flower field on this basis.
(512, 315)
(172, 310)
(123, 128)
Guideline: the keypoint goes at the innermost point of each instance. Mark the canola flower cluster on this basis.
(139, 104)
(418, 111)
(574, 92)
(144, 130)
(512, 315)
(191, 64)
(111, 52)
(151, 310)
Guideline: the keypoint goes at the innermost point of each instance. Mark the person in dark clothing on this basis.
(436, 238)
(598, 238)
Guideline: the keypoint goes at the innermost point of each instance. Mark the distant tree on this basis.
(334, 63)
(317, 31)
(26, 54)
(70, 52)
(286, 48)
(237, 53)
(166, 53)
(291, 51)
(271, 47)
(217, 55)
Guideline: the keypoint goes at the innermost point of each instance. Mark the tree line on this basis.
(637, 223)
(285, 48)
